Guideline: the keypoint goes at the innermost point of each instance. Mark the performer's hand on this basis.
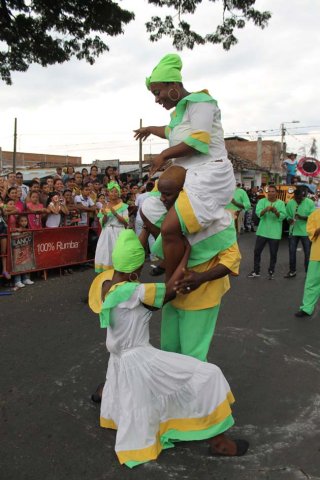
(190, 282)
(157, 163)
(142, 133)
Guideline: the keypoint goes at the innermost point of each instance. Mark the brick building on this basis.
(264, 153)
(39, 160)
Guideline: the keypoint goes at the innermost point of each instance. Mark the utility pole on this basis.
(140, 153)
(259, 151)
(283, 133)
(14, 146)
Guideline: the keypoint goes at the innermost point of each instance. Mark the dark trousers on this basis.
(293, 244)
(258, 248)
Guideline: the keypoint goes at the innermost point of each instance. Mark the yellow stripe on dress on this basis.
(182, 424)
(186, 211)
(202, 136)
(149, 293)
(108, 423)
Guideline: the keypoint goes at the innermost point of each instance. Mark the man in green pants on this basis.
(188, 321)
(311, 292)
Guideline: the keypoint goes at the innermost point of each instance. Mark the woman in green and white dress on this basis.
(154, 398)
(196, 142)
(113, 219)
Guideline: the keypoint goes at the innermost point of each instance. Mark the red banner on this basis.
(48, 248)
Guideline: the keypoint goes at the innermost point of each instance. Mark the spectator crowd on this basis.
(68, 198)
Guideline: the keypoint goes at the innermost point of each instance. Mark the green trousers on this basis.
(188, 331)
(311, 292)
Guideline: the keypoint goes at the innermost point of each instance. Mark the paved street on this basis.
(53, 356)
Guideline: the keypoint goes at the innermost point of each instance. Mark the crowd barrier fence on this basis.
(43, 248)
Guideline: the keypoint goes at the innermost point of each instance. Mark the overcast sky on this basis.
(271, 76)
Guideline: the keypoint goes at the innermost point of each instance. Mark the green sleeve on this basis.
(282, 210)
(290, 210)
(245, 201)
(260, 206)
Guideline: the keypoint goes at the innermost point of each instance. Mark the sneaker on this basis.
(271, 275)
(253, 275)
(290, 275)
(19, 285)
(28, 282)
(302, 314)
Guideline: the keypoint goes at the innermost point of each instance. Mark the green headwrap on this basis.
(112, 185)
(128, 253)
(167, 70)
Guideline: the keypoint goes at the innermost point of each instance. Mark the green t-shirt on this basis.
(270, 226)
(305, 208)
(240, 196)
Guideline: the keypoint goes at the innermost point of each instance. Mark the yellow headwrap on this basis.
(167, 70)
(128, 254)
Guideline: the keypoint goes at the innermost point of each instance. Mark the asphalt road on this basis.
(53, 356)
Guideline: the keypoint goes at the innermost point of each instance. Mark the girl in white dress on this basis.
(151, 397)
(113, 219)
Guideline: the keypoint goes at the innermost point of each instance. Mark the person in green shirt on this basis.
(271, 212)
(298, 210)
(239, 204)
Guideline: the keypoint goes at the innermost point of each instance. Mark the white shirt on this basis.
(138, 203)
(86, 202)
(200, 117)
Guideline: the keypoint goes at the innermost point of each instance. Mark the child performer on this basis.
(196, 142)
(113, 219)
(154, 398)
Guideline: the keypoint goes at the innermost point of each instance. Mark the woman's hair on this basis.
(34, 193)
(84, 170)
(50, 197)
(10, 189)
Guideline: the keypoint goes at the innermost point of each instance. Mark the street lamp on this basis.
(283, 133)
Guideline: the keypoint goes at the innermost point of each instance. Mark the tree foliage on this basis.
(53, 31)
(235, 14)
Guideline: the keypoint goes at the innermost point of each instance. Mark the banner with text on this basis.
(48, 248)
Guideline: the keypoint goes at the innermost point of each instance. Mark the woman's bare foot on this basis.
(221, 445)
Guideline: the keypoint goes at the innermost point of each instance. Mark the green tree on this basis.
(53, 31)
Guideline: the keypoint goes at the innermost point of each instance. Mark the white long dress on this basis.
(151, 397)
(108, 236)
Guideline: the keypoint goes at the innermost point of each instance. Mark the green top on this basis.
(270, 226)
(305, 208)
(240, 196)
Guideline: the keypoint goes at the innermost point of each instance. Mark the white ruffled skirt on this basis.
(153, 398)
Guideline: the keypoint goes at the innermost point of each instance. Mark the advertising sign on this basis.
(48, 248)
